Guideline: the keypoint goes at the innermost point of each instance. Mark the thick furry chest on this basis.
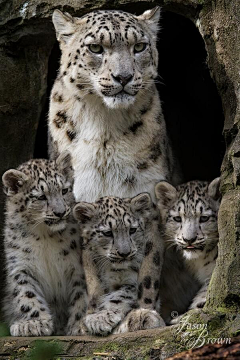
(205, 271)
(111, 156)
(51, 263)
(116, 277)
(203, 267)
(102, 170)
(110, 170)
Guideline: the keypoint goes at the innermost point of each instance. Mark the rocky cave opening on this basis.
(191, 104)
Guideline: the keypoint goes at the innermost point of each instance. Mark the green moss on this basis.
(4, 330)
(232, 302)
(124, 350)
(218, 324)
(236, 333)
(143, 349)
(111, 348)
(43, 350)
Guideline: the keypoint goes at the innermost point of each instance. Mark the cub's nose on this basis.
(124, 254)
(122, 79)
(190, 241)
(59, 214)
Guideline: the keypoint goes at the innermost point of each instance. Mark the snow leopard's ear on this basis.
(13, 180)
(141, 203)
(64, 164)
(214, 189)
(151, 17)
(165, 193)
(64, 26)
(84, 212)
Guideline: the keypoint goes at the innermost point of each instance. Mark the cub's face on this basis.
(111, 54)
(189, 214)
(40, 192)
(113, 228)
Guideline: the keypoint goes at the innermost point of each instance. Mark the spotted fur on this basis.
(115, 232)
(105, 109)
(45, 282)
(189, 215)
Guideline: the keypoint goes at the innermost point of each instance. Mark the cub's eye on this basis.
(42, 197)
(139, 47)
(177, 219)
(64, 191)
(132, 231)
(108, 233)
(95, 48)
(204, 218)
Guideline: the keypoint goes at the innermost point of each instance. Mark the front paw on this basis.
(140, 319)
(32, 328)
(101, 323)
(78, 329)
(175, 320)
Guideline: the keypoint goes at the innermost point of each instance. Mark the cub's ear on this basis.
(64, 164)
(152, 19)
(214, 189)
(165, 193)
(84, 212)
(141, 202)
(64, 26)
(13, 181)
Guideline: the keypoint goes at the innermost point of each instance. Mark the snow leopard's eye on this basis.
(204, 219)
(139, 47)
(42, 197)
(64, 191)
(177, 218)
(108, 233)
(132, 230)
(95, 48)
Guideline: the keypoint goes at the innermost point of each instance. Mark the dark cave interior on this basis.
(191, 104)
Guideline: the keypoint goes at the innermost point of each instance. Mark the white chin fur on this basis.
(192, 254)
(122, 101)
(57, 227)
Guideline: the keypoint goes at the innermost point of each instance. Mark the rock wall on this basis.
(219, 26)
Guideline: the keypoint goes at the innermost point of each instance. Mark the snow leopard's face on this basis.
(189, 214)
(40, 192)
(108, 54)
(113, 228)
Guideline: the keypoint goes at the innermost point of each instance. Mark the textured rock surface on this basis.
(151, 345)
(26, 40)
(219, 25)
(148, 344)
(212, 351)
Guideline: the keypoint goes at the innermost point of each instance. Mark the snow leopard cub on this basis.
(114, 233)
(45, 282)
(189, 215)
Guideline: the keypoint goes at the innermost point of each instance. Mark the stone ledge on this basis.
(217, 331)
(146, 344)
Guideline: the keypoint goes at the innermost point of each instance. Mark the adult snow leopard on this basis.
(45, 283)
(105, 109)
(189, 215)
